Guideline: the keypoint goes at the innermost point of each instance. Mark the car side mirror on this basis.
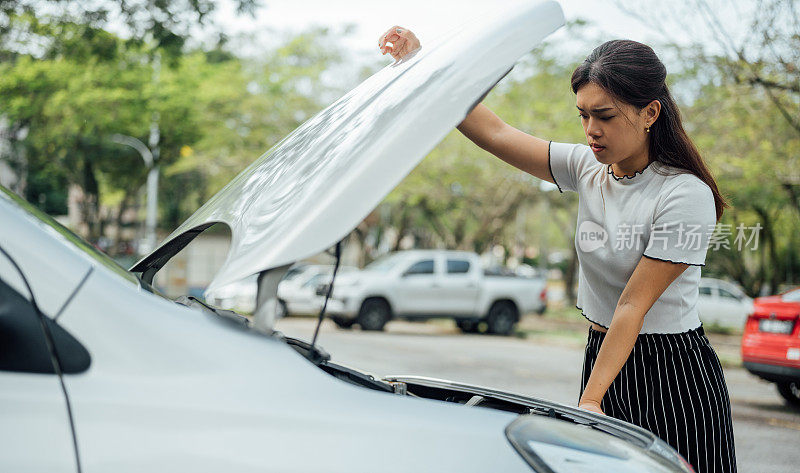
(25, 347)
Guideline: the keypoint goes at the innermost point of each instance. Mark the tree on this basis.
(748, 144)
(216, 113)
(242, 109)
(69, 106)
(762, 53)
(743, 97)
(48, 27)
(69, 81)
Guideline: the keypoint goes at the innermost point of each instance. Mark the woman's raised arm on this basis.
(482, 126)
(513, 146)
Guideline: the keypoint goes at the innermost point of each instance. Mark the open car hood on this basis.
(313, 187)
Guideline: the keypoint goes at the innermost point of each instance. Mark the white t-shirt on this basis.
(667, 217)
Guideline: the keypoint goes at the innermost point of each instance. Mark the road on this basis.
(767, 432)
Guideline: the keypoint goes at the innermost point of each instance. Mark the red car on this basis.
(771, 342)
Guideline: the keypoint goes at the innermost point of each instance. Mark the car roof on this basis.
(722, 283)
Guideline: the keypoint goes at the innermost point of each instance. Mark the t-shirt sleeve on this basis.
(567, 163)
(683, 223)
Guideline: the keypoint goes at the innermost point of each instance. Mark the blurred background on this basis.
(97, 95)
(121, 118)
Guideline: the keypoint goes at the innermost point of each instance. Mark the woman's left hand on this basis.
(592, 406)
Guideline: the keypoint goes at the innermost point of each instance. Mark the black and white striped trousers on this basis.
(672, 385)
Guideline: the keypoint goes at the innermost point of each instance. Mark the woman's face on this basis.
(614, 130)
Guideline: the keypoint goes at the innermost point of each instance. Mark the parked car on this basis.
(241, 295)
(298, 295)
(771, 342)
(723, 303)
(100, 373)
(426, 284)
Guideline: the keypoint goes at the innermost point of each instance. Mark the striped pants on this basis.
(672, 385)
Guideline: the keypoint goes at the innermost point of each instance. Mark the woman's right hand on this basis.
(403, 42)
(591, 406)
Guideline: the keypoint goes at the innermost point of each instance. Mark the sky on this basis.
(677, 21)
(429, 18)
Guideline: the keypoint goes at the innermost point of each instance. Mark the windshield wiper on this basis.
(313, 353)
(193, 302)
(356, 377)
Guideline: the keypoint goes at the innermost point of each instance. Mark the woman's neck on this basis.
(630, 166)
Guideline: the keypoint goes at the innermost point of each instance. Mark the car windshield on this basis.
(294, 272)
(385, 263)
(792, 296)
(318, 279)
(74, 240)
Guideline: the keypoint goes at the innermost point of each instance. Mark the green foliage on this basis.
(215, 114)
(752, 151)
(49, 28)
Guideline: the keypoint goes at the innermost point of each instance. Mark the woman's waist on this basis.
(661, 318)
(668, 341)
(695, 331)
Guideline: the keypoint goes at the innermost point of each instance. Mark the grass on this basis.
(720, 329)
(729, 360)
(566, 326)
(558, 325)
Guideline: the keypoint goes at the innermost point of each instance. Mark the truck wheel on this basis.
(343, 323)
(374, 314)
(790, 392)
(502, 318)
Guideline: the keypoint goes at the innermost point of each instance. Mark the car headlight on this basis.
(556, 446)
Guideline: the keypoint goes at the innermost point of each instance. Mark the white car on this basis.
(241, 295)
(298, 295)
(723, 303)
(426, 284)
(100, 374)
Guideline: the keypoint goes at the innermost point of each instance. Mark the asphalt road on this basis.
(767, 432)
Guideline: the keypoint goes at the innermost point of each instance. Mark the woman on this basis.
(647, 207)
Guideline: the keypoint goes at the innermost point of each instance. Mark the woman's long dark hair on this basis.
(631, 72)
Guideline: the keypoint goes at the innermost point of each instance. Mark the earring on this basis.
(647, 129)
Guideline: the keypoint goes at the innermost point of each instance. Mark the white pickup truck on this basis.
(425, 284)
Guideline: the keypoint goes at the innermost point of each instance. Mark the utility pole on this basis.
(150, 154)
(149, 241)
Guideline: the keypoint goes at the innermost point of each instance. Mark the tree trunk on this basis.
(91, 202)
(572, 265)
